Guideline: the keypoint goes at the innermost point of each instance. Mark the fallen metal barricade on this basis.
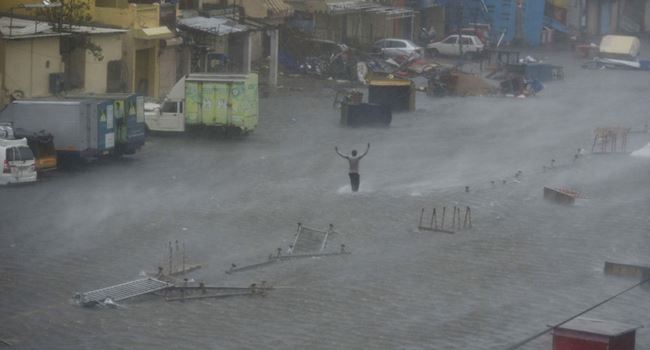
(188, 291)
(456, 222)
(308, 243)
(164, 283)
(606, 140)
(121, 291)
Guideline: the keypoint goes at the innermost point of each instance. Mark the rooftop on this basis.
(213, 25)
(20, 28)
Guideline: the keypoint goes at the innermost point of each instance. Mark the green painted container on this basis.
(222, 100)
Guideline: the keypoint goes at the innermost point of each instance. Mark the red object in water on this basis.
(592, 334)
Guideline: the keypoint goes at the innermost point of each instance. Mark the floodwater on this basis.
(525, 264)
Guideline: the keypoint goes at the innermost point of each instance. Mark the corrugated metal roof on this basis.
(21, 27)
(278, 7)
(351, 6)
(26, 28)
(213, 25)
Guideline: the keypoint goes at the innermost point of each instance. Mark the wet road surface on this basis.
(525, 264)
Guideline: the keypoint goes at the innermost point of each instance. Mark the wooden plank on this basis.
(626, 270)
(559, 196)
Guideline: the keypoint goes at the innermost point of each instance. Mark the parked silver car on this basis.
(397, 47)
(472, 46)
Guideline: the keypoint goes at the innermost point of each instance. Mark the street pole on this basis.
(519, 24)
(459, 16)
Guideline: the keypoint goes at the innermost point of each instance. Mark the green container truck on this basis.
(228, 101)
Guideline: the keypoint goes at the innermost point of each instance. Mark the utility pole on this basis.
(459, 21)
(520, 39)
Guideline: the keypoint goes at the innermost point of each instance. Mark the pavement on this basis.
(524, 265)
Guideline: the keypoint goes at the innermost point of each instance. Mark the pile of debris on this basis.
(455, 82)
(167, 284)
(618, 52)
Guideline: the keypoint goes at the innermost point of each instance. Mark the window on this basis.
(467, 41)
(451, 40)
(397, 44)
(169, 107)
(24, 153)
(19, 153)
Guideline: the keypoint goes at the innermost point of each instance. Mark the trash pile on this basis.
(618, 52)
(455, 82)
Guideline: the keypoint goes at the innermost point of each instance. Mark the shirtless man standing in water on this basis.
(353, 159)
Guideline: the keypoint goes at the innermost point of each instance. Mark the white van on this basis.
(17, 162)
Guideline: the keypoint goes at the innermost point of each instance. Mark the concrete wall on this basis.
(255, 8)
(75, 72)
(149, 71)
(27, 66)
(646, 20)
(256, 41)
(169, 58)
(573, 14)
(593, 20)
(134, 16)
(614, 18)
(96, 71)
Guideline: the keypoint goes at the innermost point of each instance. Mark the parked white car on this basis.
(471, 46)
(397, 47)
(17, 161)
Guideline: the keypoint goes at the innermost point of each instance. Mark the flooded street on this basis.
(526, 263)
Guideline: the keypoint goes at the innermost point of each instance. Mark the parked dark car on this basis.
(319, 57)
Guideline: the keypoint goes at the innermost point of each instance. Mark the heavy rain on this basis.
(548, 198)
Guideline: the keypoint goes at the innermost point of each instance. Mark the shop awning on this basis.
(154, 33)
(266, 8)
(278, 7)
(555, 24)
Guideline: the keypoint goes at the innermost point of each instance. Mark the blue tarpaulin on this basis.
(555, 24)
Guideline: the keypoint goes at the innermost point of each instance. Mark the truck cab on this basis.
(166, 117)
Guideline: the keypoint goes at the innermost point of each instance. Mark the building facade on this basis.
(35, 61)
